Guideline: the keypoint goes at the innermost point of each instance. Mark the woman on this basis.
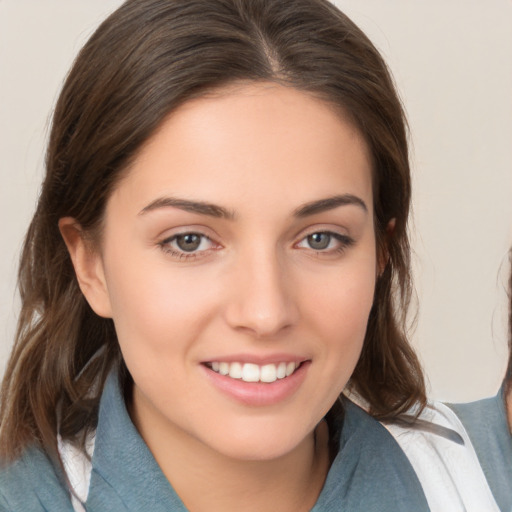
(488, 423)
(219, 250)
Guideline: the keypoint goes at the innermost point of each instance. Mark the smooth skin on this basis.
(223, 242)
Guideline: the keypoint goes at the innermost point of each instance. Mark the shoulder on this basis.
(486, 424)
(33, 483)
(444, 459)
(478, 416)
(370, 472)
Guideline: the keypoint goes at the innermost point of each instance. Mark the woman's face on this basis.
(238, 263)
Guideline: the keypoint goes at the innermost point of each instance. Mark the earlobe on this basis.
(88, 266)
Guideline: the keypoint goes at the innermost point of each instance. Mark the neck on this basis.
(208, 481)
(291, 483)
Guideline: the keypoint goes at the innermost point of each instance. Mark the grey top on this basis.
(486, 424)
(370, 472)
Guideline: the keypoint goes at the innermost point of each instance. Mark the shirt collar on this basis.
(125, 475)
(370, 471)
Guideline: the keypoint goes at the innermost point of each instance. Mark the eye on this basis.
(319, 241)
(187, 244)
(325, 241)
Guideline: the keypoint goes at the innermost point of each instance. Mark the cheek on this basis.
(338, 316)
(339, 312)
(342, 301)
(155, 306)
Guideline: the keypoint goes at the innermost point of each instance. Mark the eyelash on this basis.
(180, 253)
(344, 242)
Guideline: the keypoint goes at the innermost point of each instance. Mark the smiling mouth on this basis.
(250, 372)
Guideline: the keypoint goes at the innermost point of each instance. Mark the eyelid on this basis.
(344, 240)
(333, 229)
(178, 235)
(165, 242)
(183, 229)
(337, 236)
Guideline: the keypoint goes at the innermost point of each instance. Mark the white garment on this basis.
(448, 471)
(78, 470)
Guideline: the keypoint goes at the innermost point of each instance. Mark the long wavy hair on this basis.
(146, 59)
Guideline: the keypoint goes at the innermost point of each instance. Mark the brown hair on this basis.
(143, 61)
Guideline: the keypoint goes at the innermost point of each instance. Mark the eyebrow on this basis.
(213, 210)
(329, 203)
(200, 207)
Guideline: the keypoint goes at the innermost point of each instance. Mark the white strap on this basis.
(449, 472)
(78, 469)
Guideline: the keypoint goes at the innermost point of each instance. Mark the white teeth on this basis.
(290, 368)
(281, 370)
(268, 373)
(250, 372)
(235, 371)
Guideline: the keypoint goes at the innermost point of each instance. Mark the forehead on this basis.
(249, 141)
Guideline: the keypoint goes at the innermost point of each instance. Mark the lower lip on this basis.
(259, 394)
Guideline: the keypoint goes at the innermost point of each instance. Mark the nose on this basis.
(261, 302)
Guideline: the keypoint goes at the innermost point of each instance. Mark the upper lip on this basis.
(260, 360)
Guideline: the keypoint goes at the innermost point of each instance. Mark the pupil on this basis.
(189, 242)
(319, 241)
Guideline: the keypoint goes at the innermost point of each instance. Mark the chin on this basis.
(259, 443)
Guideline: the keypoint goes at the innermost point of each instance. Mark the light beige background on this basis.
(452, 61)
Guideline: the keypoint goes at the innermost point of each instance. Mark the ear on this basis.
(88, 266)
(383, 256)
